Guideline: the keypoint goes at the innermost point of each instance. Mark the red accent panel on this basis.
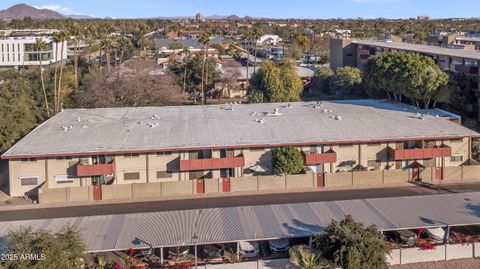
(94, 170)
(409, 154)
(204, 164)
(329, 157)
(438, 173)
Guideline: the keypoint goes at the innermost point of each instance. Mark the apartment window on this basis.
(404, 164)
(29, 181)
(164, 153)
(374, 144)
(131, 155)
(131, 176)
(28, 160)
(63, 179)
(456, 159)
(164, 174)
(374, 163)
(227, 153)
(62, 158)
(257, 149)
(346, 146)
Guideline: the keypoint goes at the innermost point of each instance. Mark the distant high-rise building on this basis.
(199, 17)
(423, 18)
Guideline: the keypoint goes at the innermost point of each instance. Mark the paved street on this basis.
(155, 206)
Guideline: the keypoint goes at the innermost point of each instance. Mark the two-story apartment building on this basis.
(81, 147)
(355, 53)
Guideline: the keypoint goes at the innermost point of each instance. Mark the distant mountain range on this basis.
(20, 11)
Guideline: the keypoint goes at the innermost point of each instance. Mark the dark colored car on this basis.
(404, 237)
(213, 252)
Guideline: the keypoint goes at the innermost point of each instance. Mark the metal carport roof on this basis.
(217, 225)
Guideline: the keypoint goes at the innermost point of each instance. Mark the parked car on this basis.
(213, 252)
(179, 252)
(249, 249)
(436, 234)
(279, 245)
(404, 237)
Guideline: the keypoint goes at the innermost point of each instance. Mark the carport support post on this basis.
(196, 257)
(310, 242)
(161, 255)
(238, 250)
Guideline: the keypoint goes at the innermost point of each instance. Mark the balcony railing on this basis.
(318, 158)
(214, 163)
(426, 153)
(94, 170)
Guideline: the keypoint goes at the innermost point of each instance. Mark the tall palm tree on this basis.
(205, 41)
(107, 44)
(74, 31)
(124, 44)
(256, 34)
(62, 36)
(40, 46)
(186, 53)
(56, 38)
(248, 39)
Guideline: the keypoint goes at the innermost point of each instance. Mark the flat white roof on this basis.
(432, 50)
(130, 129)
(262, 222)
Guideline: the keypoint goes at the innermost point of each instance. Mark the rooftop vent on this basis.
(155, 117)
(262, 120)
(66, 128)
(77, 119)
(152, 124)
(275, 112)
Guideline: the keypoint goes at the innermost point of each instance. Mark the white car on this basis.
(279, 245)
(249, 249)
(437, 234)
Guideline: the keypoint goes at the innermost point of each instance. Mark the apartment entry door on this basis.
(97, 182)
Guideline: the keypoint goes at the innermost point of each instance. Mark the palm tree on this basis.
(256, 34)
(56, 38)
(62, 36)
(186, 53)
(124, 44)
(107, 44)
(248, 38)
(39, 47)
(205, 41)
(74, 31)
(303, 257)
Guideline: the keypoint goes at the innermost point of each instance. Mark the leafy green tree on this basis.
(320, 81)
(304, 257)
(287, 160)
(278, 81)
(350, 245)
(401, 75)
(62, 249)
(255, 96)
(346, 82)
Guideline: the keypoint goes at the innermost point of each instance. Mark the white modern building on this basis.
(19, 51)
(269, 40)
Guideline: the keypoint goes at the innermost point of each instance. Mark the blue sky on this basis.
(262, 8)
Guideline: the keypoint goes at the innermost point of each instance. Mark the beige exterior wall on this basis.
(264, 157)
(19, 169)
(459, 148)
(130, 164)
(164, 163)
(59, 168)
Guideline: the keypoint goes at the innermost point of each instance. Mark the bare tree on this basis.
(129, 89)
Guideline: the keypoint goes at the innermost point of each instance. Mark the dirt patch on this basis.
(454, 264)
